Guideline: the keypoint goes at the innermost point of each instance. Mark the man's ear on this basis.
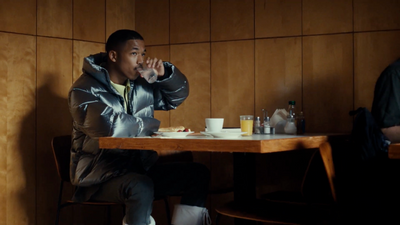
(112, 55)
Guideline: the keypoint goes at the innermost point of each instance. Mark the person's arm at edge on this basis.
(392, 133)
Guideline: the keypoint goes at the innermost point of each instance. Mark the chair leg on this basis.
(57, 215)
(123, 210)
(168, 211)
(108, 215)
(59, 203)
(217, 218)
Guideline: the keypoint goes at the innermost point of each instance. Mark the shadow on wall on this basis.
(52, 119)
(24, 169)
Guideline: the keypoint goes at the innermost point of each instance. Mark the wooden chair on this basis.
(61, 147)
(288, 208)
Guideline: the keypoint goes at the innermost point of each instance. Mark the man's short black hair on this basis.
(120, 37)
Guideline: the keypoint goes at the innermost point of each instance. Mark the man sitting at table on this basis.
(111, 98)
(386, 104)
(386, 112)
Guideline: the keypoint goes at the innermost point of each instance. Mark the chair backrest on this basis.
(325, 150)
(61, 146)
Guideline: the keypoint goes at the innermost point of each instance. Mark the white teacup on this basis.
(214, 124)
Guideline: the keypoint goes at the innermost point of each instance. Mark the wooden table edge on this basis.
(394, 151)
(214, 145)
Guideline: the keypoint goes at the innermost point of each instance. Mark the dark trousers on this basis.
(137, 191)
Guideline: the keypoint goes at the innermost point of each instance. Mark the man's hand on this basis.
(157, 65)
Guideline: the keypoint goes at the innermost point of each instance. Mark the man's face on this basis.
(129, 57)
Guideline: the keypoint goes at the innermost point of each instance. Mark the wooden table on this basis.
(197, 142)
(244, 150)
(394, 151)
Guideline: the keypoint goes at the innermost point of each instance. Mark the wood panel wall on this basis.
(43, 43)
(239, 56)
(17, 128)
(244, 56)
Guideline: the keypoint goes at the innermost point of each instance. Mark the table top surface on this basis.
(257, 143)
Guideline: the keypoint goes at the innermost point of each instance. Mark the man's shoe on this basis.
(152, 221)
(193, 215)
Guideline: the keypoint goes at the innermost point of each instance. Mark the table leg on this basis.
(244, 181)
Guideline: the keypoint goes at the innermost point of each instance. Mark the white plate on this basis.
(225, 134)
(174, 134)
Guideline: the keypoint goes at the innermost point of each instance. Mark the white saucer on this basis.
(181, 134)
(224, 134)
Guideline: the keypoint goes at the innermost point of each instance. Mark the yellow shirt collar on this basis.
(123, 90)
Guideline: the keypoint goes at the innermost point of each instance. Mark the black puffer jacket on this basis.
(98, 110)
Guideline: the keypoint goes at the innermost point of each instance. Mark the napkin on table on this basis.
(278, 120)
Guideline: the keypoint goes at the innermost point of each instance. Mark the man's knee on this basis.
(140, 186)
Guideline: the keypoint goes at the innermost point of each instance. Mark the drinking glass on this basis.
(149, 74)
(246, 124)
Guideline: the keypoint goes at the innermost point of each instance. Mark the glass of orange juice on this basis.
(246, 124)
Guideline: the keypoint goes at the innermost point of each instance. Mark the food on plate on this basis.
(174, 129)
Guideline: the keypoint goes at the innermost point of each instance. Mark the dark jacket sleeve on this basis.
(386, 103)
(171, 89)
(97, 119)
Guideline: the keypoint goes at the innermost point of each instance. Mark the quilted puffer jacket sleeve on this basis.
(171, 89)
(97, 119)
(386, 104)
